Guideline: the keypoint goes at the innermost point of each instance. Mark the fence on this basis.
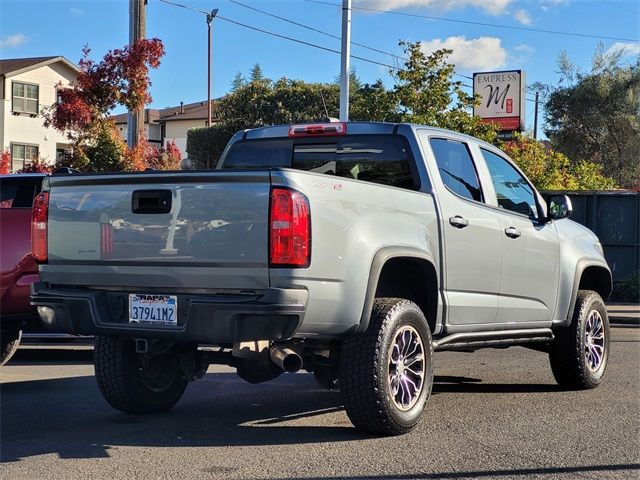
(615, 217)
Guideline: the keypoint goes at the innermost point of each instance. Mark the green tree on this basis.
(596, 115)
(256, 74)
(427, 94)
(238, 82)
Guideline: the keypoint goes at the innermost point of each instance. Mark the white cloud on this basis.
(628, 49)
(474, 54)
(523, 17)
(520, 54)
(76, 12)
(14, 40)
(524, 48)
(492, 7)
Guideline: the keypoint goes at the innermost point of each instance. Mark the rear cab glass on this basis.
(382, 159)
(19, 192)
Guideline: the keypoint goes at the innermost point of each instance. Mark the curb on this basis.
(624, 321)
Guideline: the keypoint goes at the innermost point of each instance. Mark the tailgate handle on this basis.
(151, 201)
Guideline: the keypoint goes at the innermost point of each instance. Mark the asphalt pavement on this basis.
(493, 414)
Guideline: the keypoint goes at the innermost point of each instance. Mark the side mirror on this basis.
(559, 207)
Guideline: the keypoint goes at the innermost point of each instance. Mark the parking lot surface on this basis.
(493, 414)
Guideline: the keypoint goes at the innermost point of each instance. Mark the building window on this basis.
(25, 98)
(22, 155)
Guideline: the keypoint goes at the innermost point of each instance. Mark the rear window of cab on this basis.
(382, 159)
(18, 192)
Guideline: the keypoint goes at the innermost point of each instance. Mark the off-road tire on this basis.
(567, 354)
(9, 342)
(364, 369)
(123, 382)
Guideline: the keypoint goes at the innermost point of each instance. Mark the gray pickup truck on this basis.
(350, 250)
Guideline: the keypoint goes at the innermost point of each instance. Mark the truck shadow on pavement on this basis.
(68, 417)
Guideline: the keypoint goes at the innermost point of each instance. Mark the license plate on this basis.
(153, 309)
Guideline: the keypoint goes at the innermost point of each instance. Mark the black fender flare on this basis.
(581, 266)
(380, 258)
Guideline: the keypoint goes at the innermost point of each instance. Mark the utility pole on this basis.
(344, 63)
(535, 120)
(210, 16)
(137, 31)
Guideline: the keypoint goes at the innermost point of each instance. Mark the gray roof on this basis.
(189, 111)
(13, 66)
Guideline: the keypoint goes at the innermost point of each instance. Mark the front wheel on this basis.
(386, 373)
(579, 352)
(10, 340)
(136, 383)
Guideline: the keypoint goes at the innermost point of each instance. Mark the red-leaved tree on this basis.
(121, 78)
(5, 162)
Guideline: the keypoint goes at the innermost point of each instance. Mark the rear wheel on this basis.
(386, 373)
(9, 342)
(579, 352)
(137, 383)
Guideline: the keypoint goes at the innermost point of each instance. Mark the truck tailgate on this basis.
(187, 230)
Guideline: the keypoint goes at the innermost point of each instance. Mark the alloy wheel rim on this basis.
(594, 341)
(406, 368)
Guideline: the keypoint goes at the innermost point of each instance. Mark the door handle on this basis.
(512, 232)
(458, 221)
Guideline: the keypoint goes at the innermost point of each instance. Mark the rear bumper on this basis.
(275, 315)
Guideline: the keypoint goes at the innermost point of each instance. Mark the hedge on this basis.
(205, 144)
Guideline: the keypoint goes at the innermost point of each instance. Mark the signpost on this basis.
(502, 99)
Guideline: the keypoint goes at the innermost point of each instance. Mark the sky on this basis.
(33, 28)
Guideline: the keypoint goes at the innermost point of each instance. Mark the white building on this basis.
(26, 86)
(170, 123)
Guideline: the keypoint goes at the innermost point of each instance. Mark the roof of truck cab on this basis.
(361, 128)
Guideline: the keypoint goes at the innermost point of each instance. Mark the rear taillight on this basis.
(289, 229)
(106, 241)
(39, 218)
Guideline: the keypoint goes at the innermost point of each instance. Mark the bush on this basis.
(551, 170)
(627, 290)
(205, 144)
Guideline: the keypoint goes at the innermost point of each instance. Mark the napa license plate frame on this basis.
(153, 310)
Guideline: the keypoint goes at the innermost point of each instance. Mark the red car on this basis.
(18, 270)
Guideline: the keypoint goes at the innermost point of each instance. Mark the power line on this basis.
(620, 6)
(187, 7)
(404, 59)
(293, 22)
(483, 24)
(309, 44)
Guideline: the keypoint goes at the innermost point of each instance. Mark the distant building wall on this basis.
(177, 130)
(25, 129)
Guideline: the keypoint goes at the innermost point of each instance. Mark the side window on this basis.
(512, 189)
(456, 168)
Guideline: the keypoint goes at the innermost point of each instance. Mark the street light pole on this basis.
(210, 17)
(344, 64)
